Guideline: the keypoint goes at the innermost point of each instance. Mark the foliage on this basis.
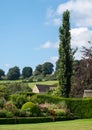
(3, 113)
(3, 90)
(57, 68)
(49, 77)
(41, 99)
(18, 88)
(2, 102)
(65, 56)
(82, 73)
(22, 113)
(60, 112)
(9, 106)
(7, 89)
(2, 73)
(38, 70)
(44, 69)
(13, 73)
(47, 68)
(6, 114)
(32, 108)
(23, 120)
(81, 108)
(27, 72)
(18, 99)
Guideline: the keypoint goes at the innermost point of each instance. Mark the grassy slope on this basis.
(30, 84)
(45, 82)
(85, 124)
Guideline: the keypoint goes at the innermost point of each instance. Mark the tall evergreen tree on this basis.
(65, 56)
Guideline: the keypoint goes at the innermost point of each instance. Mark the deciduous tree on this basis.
(27, 72)
(13, 73)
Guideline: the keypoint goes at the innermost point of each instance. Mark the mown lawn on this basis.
(85, 124)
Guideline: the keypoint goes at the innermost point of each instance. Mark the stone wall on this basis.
(87, 93)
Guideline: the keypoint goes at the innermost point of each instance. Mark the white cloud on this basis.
(50, 12)
(6, 65)
(52, 18)
(81, 11)
(80, 37)
(54, 59)
(56, 21)
(48, 45)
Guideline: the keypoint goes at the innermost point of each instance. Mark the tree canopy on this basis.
(13, 73)
(27, 72)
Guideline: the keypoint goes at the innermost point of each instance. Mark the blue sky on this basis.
(29, 30)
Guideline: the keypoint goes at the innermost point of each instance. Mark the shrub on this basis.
(9, 106)
(60, 112)
(22, 113)
(32, 108)
(9, 114)
(2, 101)
(3, 113)
(18, 99)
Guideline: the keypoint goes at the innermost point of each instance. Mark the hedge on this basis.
(81, 108)
(45, 98)
(32, 120)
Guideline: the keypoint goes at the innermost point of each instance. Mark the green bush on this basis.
(22, 113)
(9, 106)
(18, 99)
(3, 113)
(32, 108)
(2, 101)
(9, 114)
(60, 112)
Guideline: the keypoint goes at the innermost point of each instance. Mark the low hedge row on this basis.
(33, 120)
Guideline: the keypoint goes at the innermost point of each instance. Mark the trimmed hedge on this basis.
(32, 120)
(81, 108)
(45, 98)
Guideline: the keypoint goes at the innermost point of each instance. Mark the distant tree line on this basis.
(14, 73)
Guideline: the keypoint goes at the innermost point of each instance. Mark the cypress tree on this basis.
(65, 56)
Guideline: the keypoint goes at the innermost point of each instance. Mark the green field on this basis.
(31, 84)
(85, 124)
(45, 82)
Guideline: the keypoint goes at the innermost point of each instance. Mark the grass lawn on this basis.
(31, 84)
(44, 82)
(85, 124)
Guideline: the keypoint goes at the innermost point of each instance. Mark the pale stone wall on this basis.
(87, 93)
(35, 89)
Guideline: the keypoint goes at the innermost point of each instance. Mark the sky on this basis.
(29, 33)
